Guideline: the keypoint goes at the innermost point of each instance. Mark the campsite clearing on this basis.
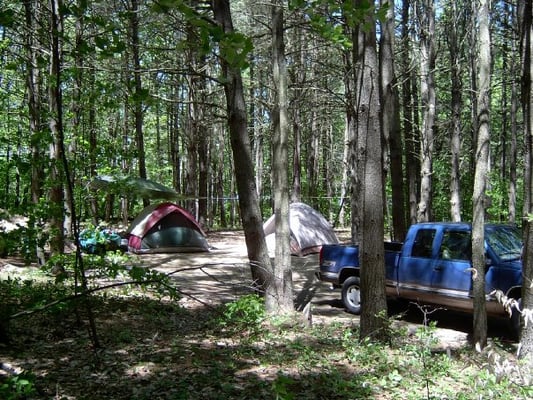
(160, 349)
(223, 274)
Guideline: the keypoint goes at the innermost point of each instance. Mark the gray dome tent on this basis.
(309, 230)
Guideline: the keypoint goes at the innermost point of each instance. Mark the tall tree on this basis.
(410, 117)
(480, 176)
(427, 94)
(390, 120)
(370, 171)
(279, 292)
(196, 134)
(456, 108)
(241, 148)
(138, 91)
(35, 107)
(349, 176)
(55, 108)
(513, 150)
(526, 25)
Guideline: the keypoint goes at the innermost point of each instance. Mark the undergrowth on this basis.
(155, 349)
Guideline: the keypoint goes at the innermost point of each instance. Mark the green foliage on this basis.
(280, 387)
(10, 242)
(246, 313)
(324, 361)
(30, 295)
(328, 24)
(112, 265)
(18, 387)
(234, 48)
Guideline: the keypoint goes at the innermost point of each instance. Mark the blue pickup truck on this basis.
(433, 266)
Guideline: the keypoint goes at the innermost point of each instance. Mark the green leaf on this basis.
(7, 18)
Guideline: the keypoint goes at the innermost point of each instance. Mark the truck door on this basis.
(452, 274)
(415, 271)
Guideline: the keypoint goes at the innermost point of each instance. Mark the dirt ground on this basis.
(146, 344)
(223, 274)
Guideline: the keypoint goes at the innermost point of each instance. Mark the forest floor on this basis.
(158, 349)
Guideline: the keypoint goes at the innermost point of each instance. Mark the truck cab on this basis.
(434, 266)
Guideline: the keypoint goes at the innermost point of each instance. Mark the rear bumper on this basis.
(331, 277)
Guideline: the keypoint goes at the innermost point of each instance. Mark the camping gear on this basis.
(165, 228)
(98, 241)
(132, 186)
(309, 230)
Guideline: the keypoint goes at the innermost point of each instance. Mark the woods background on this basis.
(133, 88)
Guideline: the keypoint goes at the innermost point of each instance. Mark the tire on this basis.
(351, 295)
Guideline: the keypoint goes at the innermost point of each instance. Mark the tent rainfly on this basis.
(309, 230)
(165, 228)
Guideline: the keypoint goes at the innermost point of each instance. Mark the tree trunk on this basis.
(456, 107)
(370, 171)
(57, 239)
(351, 64)
(33, 84)
(526, 24)
(390, 121)
(279, 292)
(297, 77)
(427, 94)
(138, 96)
(480, 176)
(242, 157)
(296, 193)
(513, 155)
(410, 124)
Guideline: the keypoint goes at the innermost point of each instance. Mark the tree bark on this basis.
(242, 157)
(390, 121)
(279, 292)
(138, 95)
(513, 150)
(480, 176)
(526, 24)
(456, 107)
(33, 84)
(427, 94)
(370, 171)
(410, 122)
(57, 238)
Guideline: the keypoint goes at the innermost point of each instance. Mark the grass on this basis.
(156, 349)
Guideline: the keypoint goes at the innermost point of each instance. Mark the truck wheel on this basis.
(351, 295)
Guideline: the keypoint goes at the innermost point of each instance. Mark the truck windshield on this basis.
(505, 241)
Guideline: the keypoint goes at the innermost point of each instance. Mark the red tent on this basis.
(165, 227)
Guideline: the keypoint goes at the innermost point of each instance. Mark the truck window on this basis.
(505, 241)
(423, 244)
(456, 245)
